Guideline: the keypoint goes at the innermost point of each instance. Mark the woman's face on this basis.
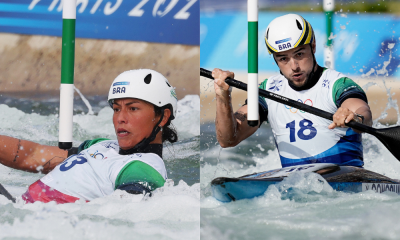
(133, 120)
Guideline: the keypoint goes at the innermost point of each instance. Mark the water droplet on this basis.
(328, 64)
(332, 36)
(343, 27)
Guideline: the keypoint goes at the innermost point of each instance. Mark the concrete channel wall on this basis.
(31, 65)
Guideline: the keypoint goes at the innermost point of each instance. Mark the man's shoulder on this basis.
(276, 77)
(331, 74)
(342, 87)
(271, 80)
(336, 80)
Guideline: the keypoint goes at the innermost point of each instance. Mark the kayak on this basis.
(340, 178)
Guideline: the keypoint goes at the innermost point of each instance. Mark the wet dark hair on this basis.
(168, 132)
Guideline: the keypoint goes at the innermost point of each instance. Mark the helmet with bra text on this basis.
(147, 85)
(288, 32)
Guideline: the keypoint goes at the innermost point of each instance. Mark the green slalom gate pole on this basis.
(329, 60)
(252, 67)
(67, 74)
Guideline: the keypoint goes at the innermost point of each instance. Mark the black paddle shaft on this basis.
(390, 137)
(6, 194)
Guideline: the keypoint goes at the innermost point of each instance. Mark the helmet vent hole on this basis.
(299, 25)
(167, 84)
(267, 33)
(147, 79)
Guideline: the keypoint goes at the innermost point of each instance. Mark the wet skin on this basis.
(296, 64)
(133, 120)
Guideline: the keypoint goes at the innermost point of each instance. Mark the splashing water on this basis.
(90, 112)
(172, 213)
(371, 71)
(303, 206)
(332, 36)
(383, 71)
(391, 103)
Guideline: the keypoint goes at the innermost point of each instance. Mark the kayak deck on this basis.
(340, 178)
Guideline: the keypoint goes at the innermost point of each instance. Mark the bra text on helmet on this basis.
(118, 90)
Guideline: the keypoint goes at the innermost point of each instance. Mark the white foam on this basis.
(187, 119)
(172, 213)
(303, 206)
(36, 127)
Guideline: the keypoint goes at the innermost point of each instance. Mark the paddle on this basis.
(390, 137)
(6, 194)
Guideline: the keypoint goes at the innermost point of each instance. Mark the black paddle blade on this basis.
(390, 137)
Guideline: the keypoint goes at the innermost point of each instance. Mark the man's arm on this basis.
(346, 113)
(29, 156)
(231, 128)
(350, 98)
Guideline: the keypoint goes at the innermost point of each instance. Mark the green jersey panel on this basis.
(138, 172)
(344, 86)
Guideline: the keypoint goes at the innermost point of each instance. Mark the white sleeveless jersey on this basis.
(302, 137)
(92, 173)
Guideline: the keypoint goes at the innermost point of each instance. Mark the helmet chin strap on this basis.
(146, 141)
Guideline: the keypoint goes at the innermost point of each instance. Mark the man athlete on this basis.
(301, 137)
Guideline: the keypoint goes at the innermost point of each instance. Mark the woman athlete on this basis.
(144, 104)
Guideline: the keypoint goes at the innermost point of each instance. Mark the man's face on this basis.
(296, 64)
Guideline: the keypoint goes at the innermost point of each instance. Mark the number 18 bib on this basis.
(304, 138)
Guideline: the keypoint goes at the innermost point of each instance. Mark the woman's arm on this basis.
(29, 156)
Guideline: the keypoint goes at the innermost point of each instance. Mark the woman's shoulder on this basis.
(149, 158)
(105, 142)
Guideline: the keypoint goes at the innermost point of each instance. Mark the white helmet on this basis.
(287, 32)
(147, 85)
